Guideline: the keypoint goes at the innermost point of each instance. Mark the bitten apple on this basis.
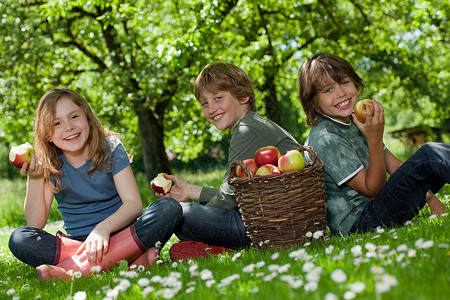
(251, 163)
(360, 109)
(267, 169)
(267, 155)
(161, 184)
(293, 160)
(18, 155)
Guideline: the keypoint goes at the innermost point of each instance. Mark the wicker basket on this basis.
(278, 210)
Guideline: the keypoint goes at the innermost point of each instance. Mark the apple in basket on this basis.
(251, 163)
(18, 155)
(292, 161)
(267, 169)
(361, 109)
(267, 155)
(161, 184)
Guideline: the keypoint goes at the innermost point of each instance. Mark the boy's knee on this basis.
(168, 206)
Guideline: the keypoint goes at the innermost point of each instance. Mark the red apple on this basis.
(293, 160)
(267, 169)
(161, 184)
(20, 154)
(251, 163)
(267, 155)
(360, 109)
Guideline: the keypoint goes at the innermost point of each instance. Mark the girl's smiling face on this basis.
(71, 131)
(337, 99)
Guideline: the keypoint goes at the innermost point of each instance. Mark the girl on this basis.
(85, 167)
(356, 161)
(227, 98)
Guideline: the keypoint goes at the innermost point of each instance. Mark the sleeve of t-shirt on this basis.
(340, 161)
(119, 155)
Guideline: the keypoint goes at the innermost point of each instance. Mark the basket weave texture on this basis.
(278, 210)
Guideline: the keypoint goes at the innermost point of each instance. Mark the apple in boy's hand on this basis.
(251, 163)
(360, 109)
(161, 184)
(267, 169)
(293, 160)
(267, 155)
(18, 155)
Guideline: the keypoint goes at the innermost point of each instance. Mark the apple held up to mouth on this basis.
(361, 110)
(267, 155)
(251, 163)
(267, 169)
(18, 155)
(293, 160)
(161, 184)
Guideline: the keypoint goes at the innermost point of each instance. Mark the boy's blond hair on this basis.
(315, 73)
(218, 76)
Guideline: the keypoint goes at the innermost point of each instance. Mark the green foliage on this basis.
(130, 57)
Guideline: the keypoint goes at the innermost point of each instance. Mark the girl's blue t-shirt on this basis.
(86, 200)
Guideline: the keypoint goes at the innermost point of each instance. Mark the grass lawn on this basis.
(410, 262)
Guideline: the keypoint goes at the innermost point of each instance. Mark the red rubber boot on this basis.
(146, 259)
(194, 250)
(65, 247)
(125, 245)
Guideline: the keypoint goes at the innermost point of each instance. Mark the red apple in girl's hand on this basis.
(251, 163)
(360, 109)
(161, 184)
(18, 155)
(267, 169)
(267, 155)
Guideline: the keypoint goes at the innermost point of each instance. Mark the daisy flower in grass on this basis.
(10, 292)
(338, 276)
(275, 256)
(147, 291)
(424, 245)
(357, 287)
(142, 282)
(206, 274)
(249, 269)
(80, 295)
(330, 296)
(311, 286)
(190, 289)
(349, 295)
(318, 234)
(309, 234)
(329, 249)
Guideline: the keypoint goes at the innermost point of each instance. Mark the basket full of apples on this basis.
(280, 197)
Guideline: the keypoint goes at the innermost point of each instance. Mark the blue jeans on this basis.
(403, 195)
(36, 247)
(213, 226)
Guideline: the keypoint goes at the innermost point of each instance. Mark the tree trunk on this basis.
(273, 111)
(151, 133)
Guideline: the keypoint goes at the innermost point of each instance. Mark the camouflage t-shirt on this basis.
(344, 151)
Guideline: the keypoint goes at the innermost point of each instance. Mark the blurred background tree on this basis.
(136, 63)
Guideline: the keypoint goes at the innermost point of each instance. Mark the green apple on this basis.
(293, 160)
(267, 169)
(361, 110)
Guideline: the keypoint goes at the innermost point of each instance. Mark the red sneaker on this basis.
(193, 250)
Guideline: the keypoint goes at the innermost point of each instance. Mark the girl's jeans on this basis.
(403, 195)
(212, 225)
(36, 247)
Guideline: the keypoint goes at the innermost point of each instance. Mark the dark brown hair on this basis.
(218, 76)
(315, 73)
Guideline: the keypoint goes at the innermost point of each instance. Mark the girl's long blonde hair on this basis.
(48, 153)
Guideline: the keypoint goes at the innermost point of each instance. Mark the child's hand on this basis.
(34, 169)
(373, 128)
(181, 190)
(96, 245)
